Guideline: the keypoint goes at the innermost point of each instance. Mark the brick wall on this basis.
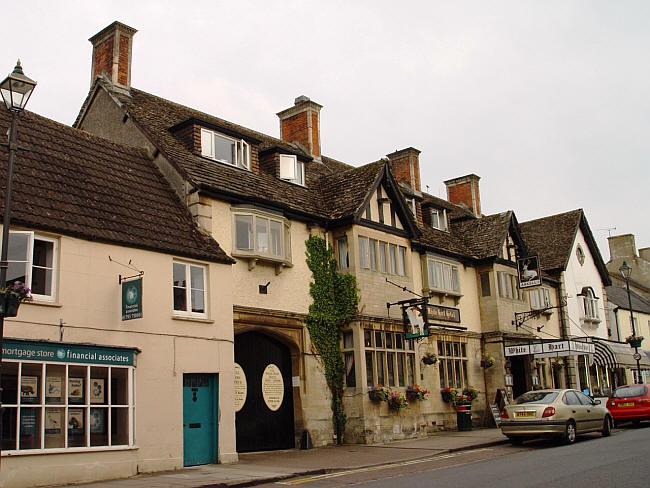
(464, 190)
(269, 163)
(123, 63)
(315, 135)
(103, 58)
(295, 128)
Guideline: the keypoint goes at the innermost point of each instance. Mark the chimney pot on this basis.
(464, 190)
(301, 124)
(301, 99)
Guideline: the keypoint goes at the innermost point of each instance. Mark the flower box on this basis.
(397, 401)
(429, 358)
(378, 394)
(415, 392)
(487, 362)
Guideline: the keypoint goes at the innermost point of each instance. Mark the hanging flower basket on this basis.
(487, 362)
(558, 364)
(634, 341)
(397, 401)
(11, 296)
(429, 358)
(378, 394)
(415, 392)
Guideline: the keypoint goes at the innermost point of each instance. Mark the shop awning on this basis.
(618, 355)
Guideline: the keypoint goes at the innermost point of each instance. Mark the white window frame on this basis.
(66, 405)
(590, 305)
(242, 149)
(292, 170)
(441, 217)
(188, 289)
(508, 285)
(29, 264)
(443, 276)
(257, 249)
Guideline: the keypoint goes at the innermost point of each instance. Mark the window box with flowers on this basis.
(11, 297)
(396, 401)
(378, 393)
(459, 398)
(416, 392)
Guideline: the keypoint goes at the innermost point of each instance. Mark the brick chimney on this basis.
(622, 247)
(112, 50)
(464, 191)
(301, 124)
(405, 165)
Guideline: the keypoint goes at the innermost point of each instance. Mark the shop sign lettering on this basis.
(66, 353)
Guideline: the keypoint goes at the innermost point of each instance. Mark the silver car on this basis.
(558, 413)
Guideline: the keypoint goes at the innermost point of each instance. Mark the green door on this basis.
(200, 412)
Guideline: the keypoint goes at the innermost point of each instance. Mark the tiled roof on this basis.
(551, 238)
(618, 296)
(453, 211)
(73, 183)
(483, 237)
(157, 115)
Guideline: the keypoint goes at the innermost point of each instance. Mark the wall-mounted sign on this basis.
(53, 388)
(447, 314)
(529, 272)
(414, 321)
(132, 299)
(551, 349)
(272, 387)
(241, 388)
(67, 353)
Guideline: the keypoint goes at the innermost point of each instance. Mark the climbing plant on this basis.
(334, 304)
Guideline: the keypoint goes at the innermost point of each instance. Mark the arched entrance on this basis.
(265, 420)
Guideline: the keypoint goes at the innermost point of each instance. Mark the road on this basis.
(617, 461)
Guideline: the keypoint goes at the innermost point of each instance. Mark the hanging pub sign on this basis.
(132, 299)
(529, 273)
(417, 315)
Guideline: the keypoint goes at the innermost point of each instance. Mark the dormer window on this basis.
(439, 219)
(224, 149)
(292, 170)
(410, 202)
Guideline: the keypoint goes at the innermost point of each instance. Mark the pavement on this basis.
(264, 467)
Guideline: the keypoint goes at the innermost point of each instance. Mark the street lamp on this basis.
(15, 90)
(626, 272)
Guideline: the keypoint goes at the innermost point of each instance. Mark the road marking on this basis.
(309, 479)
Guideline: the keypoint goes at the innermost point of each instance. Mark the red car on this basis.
(630, 403)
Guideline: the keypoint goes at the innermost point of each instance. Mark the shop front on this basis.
(64, 397)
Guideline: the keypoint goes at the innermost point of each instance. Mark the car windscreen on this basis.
(630, 391)
(536, 397)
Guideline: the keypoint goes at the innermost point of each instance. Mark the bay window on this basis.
(262, 236)
(539, 298)
(508, 286)
(443, 276)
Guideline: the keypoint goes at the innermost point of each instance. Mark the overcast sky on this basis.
(547, 101)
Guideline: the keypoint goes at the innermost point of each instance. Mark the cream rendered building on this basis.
(93, 390)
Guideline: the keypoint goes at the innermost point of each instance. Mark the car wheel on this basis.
(607, 427)
(616, 424)
(570, 432)
(516, 441)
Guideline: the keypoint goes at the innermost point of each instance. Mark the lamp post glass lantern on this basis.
(15, 90)
(626, 273)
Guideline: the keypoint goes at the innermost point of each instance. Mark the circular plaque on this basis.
(272, 387)
(241, 388)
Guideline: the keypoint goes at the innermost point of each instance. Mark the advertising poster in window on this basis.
(75, 421)
(75, 390)
(96, 390)
(97, 421)
(529, 274)
(28, 421)
(53, 388)
(53, 421)
(29, 389)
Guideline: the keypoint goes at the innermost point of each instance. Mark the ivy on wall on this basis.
(335, 300)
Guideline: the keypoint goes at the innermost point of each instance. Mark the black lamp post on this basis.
(15, 90)
(626, 272)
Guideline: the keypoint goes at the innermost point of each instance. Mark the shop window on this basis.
(62, 406)
(390, 360)
(452, 369)
(190, 293)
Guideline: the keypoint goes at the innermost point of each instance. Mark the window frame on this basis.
(508, 286)
(538, 302)
(188, 312)
(389, 353)
(590, 305)
(255, 251)
(29, 264)
(292, 170)
(242, 151)
(452, 277)
(453, 363)
(441, 216)
(342, 253)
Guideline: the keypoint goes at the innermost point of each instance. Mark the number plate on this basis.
(529, 413)
(626, 404)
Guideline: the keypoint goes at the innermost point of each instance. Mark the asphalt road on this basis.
(621, 460)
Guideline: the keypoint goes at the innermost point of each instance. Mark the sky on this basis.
(547, 101)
